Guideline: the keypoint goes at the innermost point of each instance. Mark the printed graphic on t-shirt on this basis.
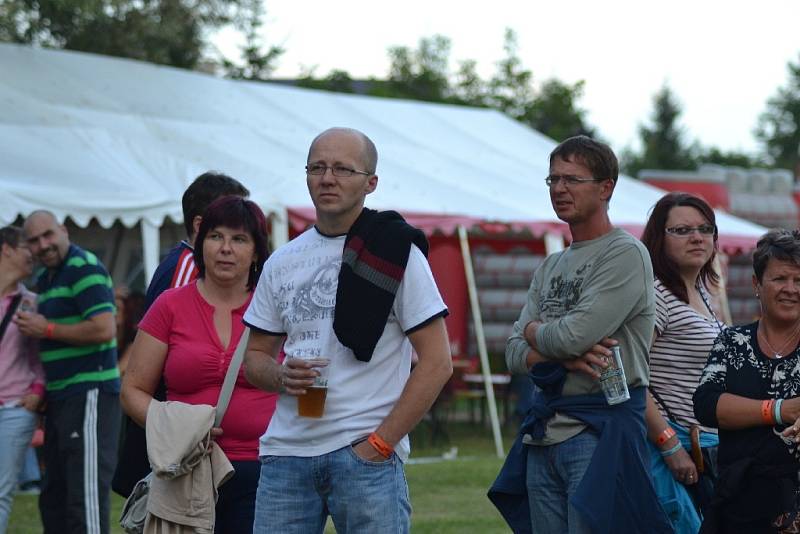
(316, 298)
(306, 297)
(563, 294)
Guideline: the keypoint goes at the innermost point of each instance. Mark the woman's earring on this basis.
(757, 295)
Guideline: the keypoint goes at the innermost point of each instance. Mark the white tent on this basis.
(89, 136)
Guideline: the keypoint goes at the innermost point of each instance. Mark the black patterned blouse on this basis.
(736, 365)
(757, 466)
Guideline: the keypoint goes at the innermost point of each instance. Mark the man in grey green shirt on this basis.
(596, 293)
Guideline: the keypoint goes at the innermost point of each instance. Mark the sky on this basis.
(723, 60)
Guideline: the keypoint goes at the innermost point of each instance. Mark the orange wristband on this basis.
(48, 332)
(665, 436)
(767, 412)
(377, 442)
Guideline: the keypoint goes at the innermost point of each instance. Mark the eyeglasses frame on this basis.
(326, 168)
(573, 180)
(692, 230)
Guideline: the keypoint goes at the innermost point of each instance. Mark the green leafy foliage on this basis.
(731, 158)
(420, 74)
(170, 32)
(555, 112)
(424, 73)
(338, 81)
(663, 143)
(257, 63)
(167, 32)
(779, 126)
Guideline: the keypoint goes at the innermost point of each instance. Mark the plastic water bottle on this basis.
(612, 379)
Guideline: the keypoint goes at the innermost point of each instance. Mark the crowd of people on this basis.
(649, 414)
(707, 440)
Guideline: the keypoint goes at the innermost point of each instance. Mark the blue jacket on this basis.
(673, 496)
(616, 494)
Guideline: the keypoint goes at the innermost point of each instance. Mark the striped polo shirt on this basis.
(79, 289)
(679, 353)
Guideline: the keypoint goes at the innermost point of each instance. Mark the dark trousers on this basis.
(236, 504)
(133, 462)
(79, 452)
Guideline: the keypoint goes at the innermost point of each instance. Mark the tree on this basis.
(729, 158)
(424, 74)
(554, 112)
(338, 81)
(256, 63)
(469, 87)
(510, 89)
(170, 32)
(420, 74)
(663, 145)
(779, 126)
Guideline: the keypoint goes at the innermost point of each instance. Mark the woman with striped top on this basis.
(681, 236)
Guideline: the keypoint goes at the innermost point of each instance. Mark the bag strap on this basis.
(231, 376)
(659, 401)
(9, 313)
(701, 288)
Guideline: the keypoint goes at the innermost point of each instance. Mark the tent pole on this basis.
(280, 227)
(476, 317)
(553, 243)
(150, 249)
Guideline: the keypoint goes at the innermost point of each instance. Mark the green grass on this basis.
(447, 496)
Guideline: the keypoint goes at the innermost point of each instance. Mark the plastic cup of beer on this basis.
(27, 305)
(312, 404)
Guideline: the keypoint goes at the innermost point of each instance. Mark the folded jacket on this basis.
(188, 466)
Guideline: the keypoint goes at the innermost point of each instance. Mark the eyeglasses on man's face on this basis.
(686, 231)
(568, 180)
(340, 171)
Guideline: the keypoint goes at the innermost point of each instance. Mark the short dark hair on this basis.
(653, 238)
(10, 235)
(205, 189)
(778, 244)
(596, 156)
(370, 153)
(235, 212)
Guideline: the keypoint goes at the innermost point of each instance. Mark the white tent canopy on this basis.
(89, 136)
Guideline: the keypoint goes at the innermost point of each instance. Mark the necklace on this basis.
(778, 354)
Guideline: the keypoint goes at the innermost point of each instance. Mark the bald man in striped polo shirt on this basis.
(78, 348)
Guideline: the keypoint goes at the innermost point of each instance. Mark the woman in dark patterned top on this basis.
(749, 390)
(681, 236)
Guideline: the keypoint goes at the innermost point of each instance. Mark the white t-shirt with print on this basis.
(296, 295)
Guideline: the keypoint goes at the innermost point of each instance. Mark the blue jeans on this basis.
(296, 495)
(554, 473)
(16, 428)
(30, 467)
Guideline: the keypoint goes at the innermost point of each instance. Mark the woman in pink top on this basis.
(189, 335)
(21, 373)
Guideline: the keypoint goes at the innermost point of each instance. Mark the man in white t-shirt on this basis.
(348, 463)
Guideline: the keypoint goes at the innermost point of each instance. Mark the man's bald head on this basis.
(370, 153)
(46, 237)
(40, 215)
